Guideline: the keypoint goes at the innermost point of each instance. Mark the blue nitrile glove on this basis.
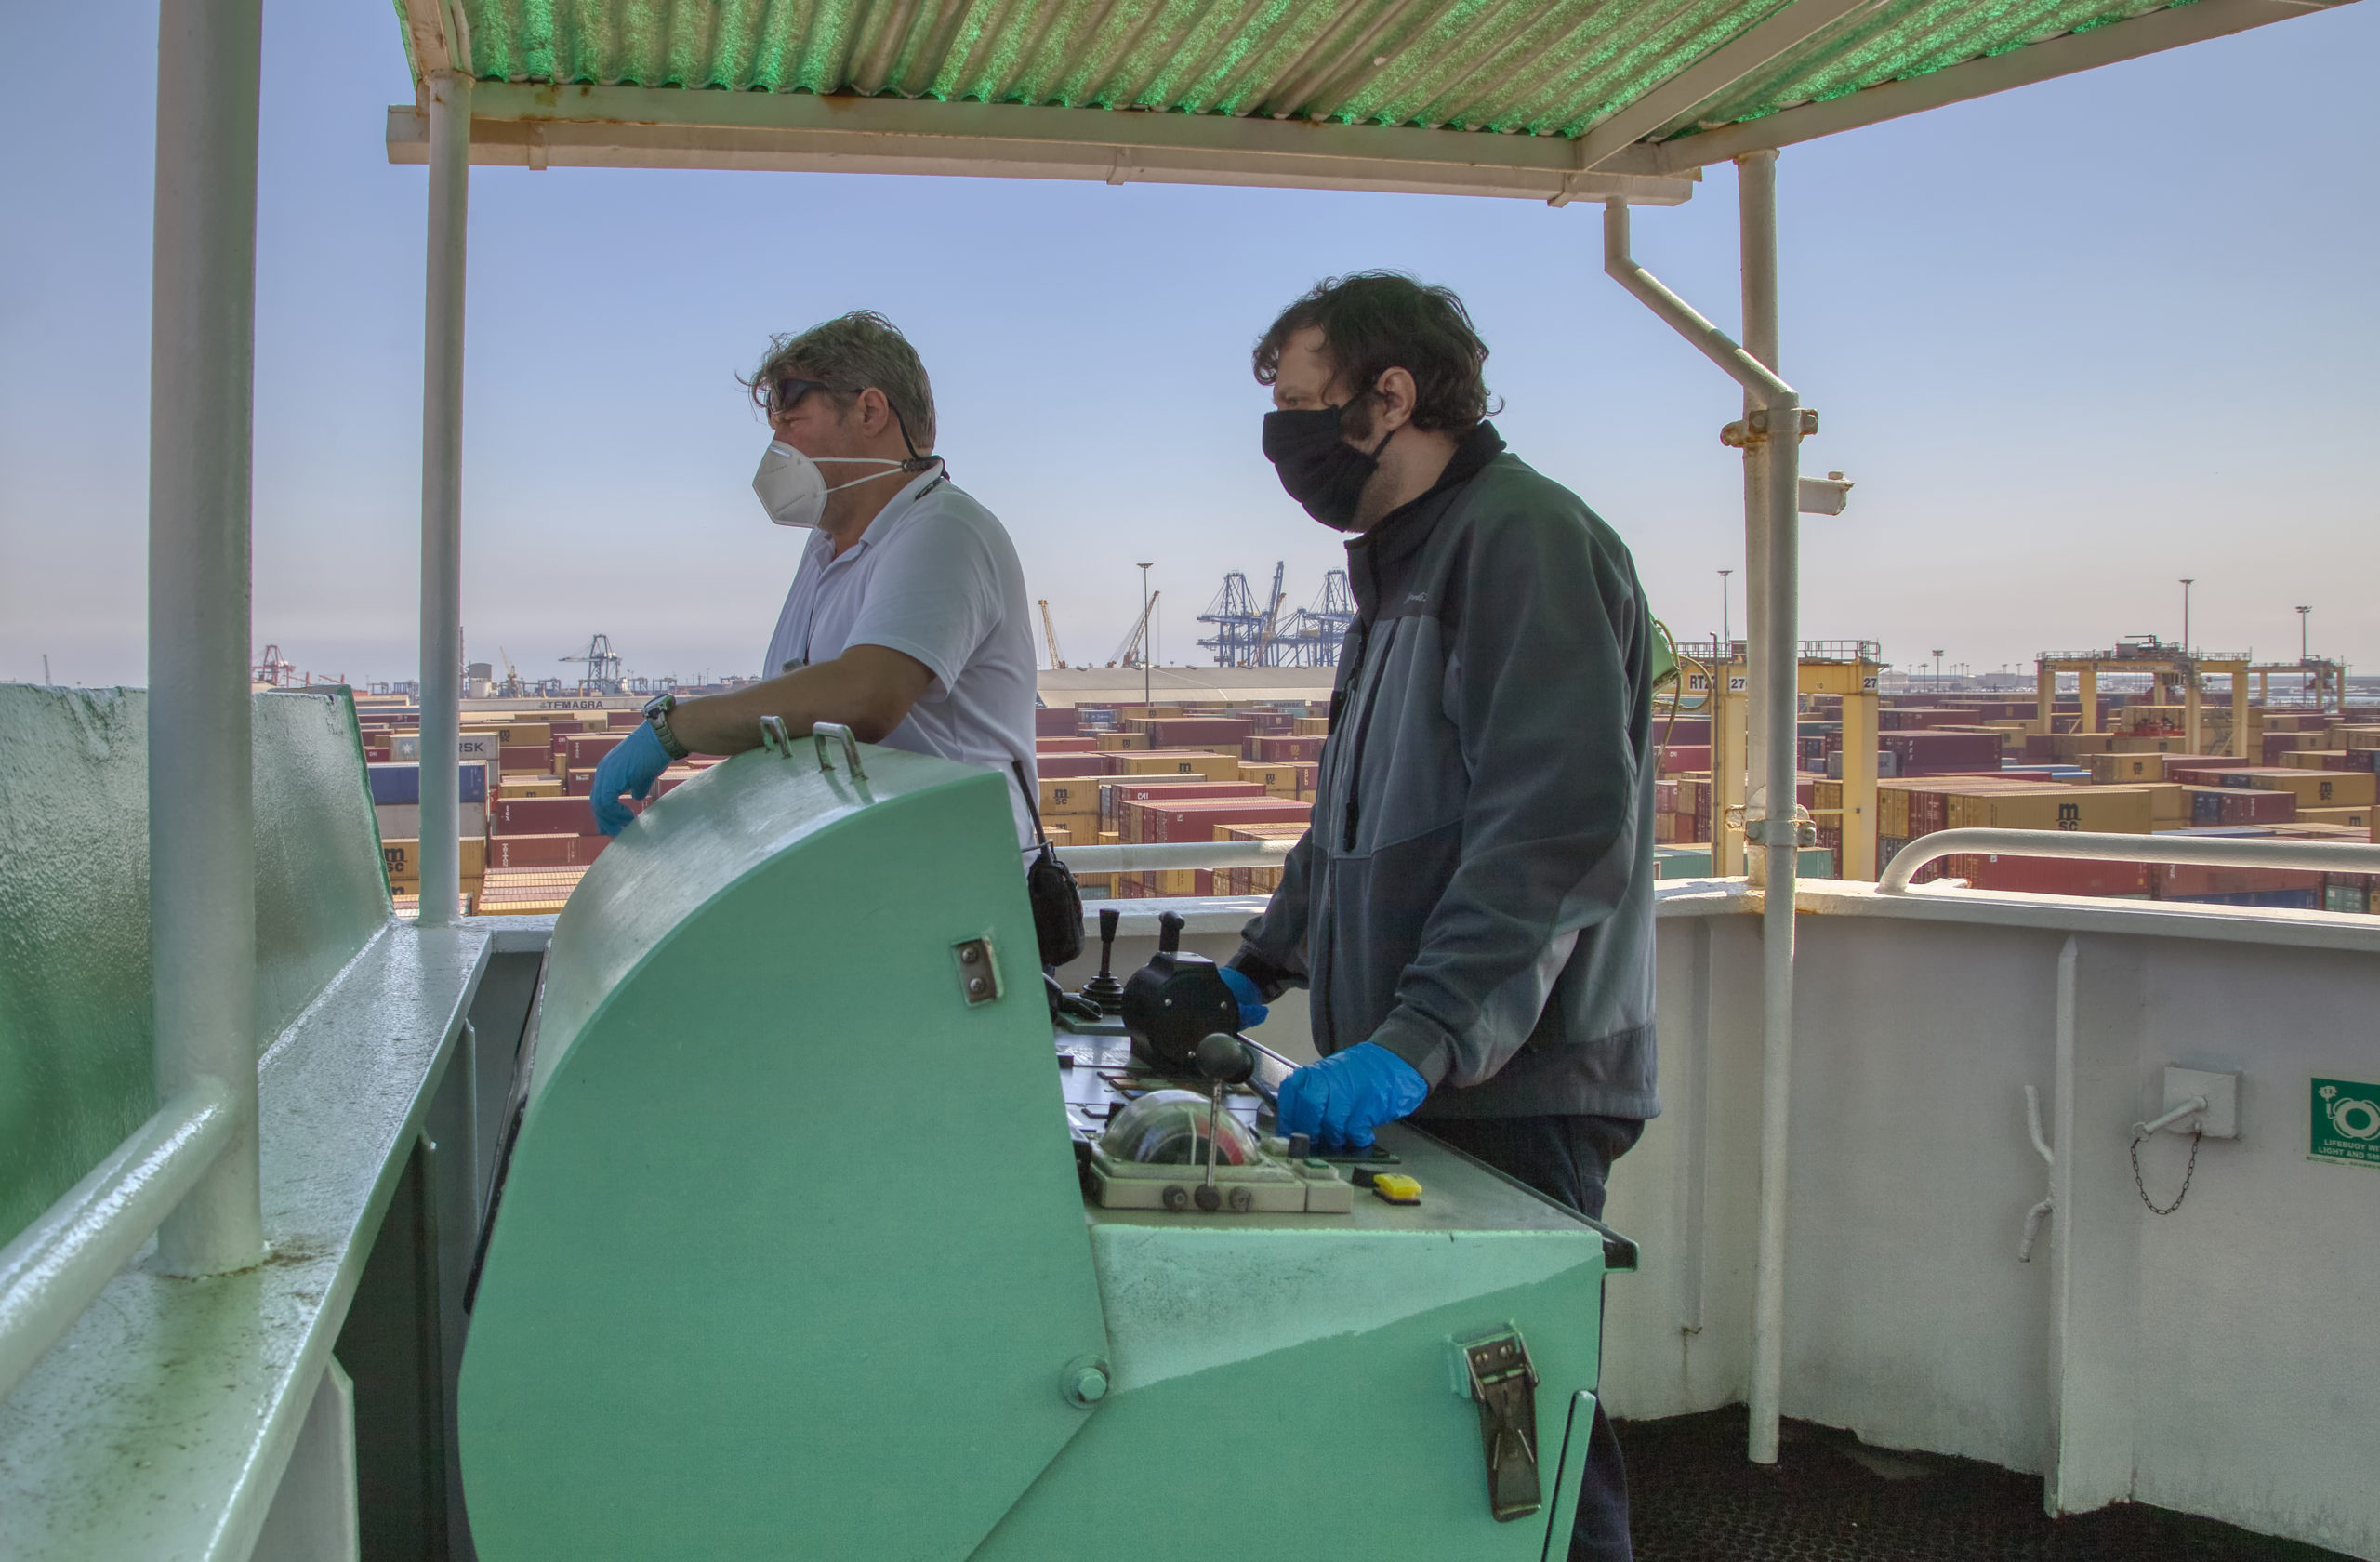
(1251, 1002)
(1338, 1101)
(632, 767)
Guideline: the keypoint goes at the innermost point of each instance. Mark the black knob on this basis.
(1104, 990)
(1169, 933)
(1226, 1059)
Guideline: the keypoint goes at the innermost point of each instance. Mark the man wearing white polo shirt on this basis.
(906, 619)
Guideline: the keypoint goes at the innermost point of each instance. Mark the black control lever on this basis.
(1175, 1002)
(1104, 990)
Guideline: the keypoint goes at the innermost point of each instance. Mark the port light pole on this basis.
(2188, 581)
(1725, 636)
(1146, 629)
(2305, 644)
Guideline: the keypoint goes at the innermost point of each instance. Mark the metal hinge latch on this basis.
(1503, 1382)
(979, 973)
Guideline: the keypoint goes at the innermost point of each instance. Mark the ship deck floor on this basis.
(1829, 1498)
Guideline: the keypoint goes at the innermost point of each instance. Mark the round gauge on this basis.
(1169, 1128)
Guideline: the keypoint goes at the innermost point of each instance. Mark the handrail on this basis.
(2201, 851)
(57, 1265)
(1174, 855)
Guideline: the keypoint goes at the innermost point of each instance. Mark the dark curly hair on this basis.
(1376, 321)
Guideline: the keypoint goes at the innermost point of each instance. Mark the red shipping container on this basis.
(1115, 797)
(1057, 721)
(2238, 805)
(1920, 752)
(1175, 820)
(1068, 767)
(2049, 875)
(2191, 882)
(1196, 731)
(561, 816)
(622, 721)
(525, 756)
(1065, 745)
(544, 851)
(1679, 758)
(1285, 750)
(584, 750)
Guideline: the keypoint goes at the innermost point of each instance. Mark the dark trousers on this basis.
(1568, 1159)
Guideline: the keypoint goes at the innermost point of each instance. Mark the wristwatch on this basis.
(656, 715)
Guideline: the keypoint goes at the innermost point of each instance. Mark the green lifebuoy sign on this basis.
(2346, 1121)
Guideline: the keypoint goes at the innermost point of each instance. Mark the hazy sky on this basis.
(2072, 342)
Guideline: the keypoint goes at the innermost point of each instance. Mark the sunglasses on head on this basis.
(781, 395)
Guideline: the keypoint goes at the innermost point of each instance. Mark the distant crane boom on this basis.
(1134, 650)
(1271, 613)
(1049, 633)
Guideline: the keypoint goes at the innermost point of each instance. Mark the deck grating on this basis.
(1694, 1497)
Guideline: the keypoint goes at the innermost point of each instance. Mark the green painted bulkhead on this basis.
(77, 1007)
(792, 1258)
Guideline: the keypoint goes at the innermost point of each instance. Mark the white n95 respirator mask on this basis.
(794, 491)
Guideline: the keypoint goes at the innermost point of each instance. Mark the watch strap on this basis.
(656, 716)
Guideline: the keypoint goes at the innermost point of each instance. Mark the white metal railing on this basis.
(1174, 855)
(2199, 850)
(57, 1265)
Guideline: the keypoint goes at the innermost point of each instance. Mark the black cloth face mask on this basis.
(1316, 465)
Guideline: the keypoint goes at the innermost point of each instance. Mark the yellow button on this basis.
(1396, 1187)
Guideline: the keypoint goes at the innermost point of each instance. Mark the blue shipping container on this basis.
(2307, 899)
(402, 783)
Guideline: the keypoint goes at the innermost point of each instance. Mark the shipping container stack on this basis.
(527, 826)
(1949, 761)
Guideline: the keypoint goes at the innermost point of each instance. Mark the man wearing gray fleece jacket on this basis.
(1471, 908)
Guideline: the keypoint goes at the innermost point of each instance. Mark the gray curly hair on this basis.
(848, 354)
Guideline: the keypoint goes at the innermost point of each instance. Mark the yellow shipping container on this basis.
(2169, 803)
(1110, 742)
(1281, 780)
(2072, 747)
(2318, 789)
(1310, 726)
(1180, 761)
(1079, 825)
(1070, 794)
(2357, 818)
(518, 784)
(2313, 759)
(402, 856)
(2120, 809)
(2111, 768)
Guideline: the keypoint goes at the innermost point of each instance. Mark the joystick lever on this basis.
(1225, 1060)
(1104, 990)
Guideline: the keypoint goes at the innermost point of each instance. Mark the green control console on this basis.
(810, 1244)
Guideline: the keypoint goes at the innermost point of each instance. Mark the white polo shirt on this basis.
(933, 576)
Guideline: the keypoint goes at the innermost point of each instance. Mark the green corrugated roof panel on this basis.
(1536, 67)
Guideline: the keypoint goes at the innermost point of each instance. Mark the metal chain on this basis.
(2196, 1135)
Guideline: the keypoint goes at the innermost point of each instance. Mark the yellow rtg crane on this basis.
(1848, 668)
(2175, 674)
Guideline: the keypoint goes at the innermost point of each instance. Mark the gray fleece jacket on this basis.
(1476, 891)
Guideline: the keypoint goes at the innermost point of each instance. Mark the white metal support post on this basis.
(1756, 222)
(441, 497)
(1779, 841)
(202, 804)
(1777, 422)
